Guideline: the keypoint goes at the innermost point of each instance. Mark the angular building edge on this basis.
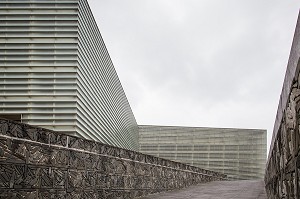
(57, 73)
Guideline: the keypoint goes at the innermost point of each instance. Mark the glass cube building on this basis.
(55, 72)
(238, 153)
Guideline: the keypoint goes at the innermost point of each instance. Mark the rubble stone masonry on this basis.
(40, 163)
(282, 176)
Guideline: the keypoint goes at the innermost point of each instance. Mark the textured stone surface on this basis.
(243, 189)
(282, 176)
(39, 163)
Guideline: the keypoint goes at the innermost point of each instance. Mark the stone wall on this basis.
(282, 176)
(39, 163)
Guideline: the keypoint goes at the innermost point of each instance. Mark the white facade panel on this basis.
(56, 72)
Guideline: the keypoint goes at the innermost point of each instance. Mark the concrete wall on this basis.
(282, 176)
(40, 163)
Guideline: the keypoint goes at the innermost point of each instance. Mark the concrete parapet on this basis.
(40, 163)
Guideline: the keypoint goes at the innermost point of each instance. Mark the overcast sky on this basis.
(206, 63)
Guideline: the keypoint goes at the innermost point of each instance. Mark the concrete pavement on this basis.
(244, 189)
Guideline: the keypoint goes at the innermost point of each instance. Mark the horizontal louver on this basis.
(56, 72)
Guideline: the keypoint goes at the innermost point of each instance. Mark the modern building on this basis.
(55, 72)
(238, 153)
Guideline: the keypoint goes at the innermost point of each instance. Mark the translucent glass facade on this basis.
(55, 72)
(239, 153)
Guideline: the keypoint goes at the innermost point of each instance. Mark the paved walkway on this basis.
(244, 189)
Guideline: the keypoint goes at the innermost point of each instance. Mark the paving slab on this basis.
(243, 189)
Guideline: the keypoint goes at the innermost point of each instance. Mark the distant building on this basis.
(238, 153)
(55, 72)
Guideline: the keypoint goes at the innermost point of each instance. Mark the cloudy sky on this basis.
(207, 63)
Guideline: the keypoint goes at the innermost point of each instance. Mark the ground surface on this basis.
(245, 189)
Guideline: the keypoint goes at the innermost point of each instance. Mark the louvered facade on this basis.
(55, 72)
(238, 153)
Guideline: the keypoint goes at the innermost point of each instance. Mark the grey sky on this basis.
(211, 63)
